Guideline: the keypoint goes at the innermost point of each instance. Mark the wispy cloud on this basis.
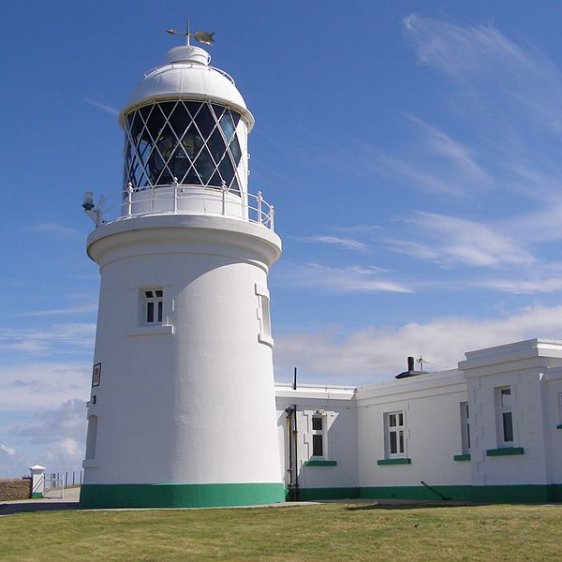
(53, 228)
(102, 106)
(8, 451)
(353, 279)
(521, 73)
(34, 340)
(39, 385)
(68, 311)
(447, 239)
(346, 243)
(380, 353)
(436, 163)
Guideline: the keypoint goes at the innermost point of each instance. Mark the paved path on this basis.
(70, 501)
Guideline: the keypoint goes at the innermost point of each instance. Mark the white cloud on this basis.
(53, 228)
(79, 309)
(522, 286)
(67, 421)
(76, 335)
(346, 243)
(32, 386)
(380, 353)
(353, 279)
(105, 108)
(458, 156)
(450, 239)
(478, 55)
(8, 451)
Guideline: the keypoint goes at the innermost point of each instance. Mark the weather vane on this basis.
(201, 36)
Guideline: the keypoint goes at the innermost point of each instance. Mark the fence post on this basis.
(260, 201)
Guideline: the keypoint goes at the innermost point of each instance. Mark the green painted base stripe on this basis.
(559, 426)
(383, 462)
(505, 451)
(313, 494)
(526, 493)
(463, 457)
(179, 495)
(36, 495)
(320, 463)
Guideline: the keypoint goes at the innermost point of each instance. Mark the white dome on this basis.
(187, 76)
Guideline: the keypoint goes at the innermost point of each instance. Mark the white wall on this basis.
(431, 405)
(337, 406)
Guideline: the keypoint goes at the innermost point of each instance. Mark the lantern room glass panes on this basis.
(193, 143)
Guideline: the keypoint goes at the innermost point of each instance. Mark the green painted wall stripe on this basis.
(179, 495)
(313, 494)
(505, 451)
(320, 463)
(35, 495)
(559, 426)
(383, 462)
(526, 493)
(463, 457)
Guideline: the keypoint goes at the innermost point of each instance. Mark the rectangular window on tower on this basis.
(153, 306)
(264, 318)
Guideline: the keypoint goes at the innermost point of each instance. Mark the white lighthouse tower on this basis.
(182, 407)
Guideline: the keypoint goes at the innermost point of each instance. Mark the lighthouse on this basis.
(182, 410)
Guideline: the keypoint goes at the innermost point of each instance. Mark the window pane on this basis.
(400, 441)
(400, 420)
(506, 397)
(159, 311)
(149, 312)
(507, 427)
(317, 423)
(317, 446)
(393, 443)
(392, 420)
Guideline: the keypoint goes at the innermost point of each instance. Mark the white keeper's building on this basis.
(184, 410)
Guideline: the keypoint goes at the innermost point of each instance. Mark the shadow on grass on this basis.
(409, 505)
(27, 507)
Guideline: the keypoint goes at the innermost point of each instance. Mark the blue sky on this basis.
(412, 151)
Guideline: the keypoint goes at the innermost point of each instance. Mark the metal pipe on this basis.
(295, 439)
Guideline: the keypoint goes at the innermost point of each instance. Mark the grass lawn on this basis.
(293, 533)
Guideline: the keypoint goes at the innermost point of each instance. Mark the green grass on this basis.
(293, 533)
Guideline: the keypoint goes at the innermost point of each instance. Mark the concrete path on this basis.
(70, 501)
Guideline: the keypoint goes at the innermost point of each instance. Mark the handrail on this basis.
(183, 199)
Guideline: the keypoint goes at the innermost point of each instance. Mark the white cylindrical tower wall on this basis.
(182, 411)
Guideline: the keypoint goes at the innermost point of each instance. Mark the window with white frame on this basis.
(318, 436)
(152, 306)
(504, 416)
(395, 434)
(465, 428)
(263, 313)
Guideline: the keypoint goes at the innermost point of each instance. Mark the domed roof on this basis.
(188, 76)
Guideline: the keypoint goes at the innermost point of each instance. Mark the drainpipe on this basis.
(295, 442)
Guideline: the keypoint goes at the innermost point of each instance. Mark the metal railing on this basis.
(182, 199)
